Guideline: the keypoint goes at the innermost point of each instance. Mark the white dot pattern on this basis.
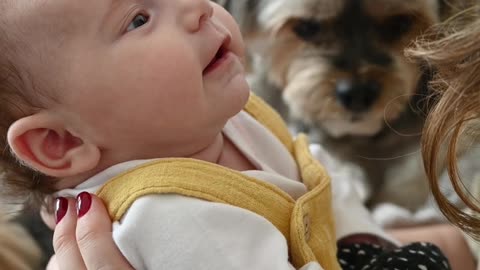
(416, 256)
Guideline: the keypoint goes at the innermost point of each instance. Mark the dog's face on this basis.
(341, 63)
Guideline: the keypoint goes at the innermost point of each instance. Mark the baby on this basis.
(145, 102)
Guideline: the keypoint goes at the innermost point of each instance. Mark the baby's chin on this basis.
(237, 95)
(243, 88)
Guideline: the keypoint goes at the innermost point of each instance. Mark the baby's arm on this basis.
(177, 232)
(445, 236)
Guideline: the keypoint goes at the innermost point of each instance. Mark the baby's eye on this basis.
(138, 21)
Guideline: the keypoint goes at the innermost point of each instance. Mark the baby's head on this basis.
(454, 52)
(88, 84)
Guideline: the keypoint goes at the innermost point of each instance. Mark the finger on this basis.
(64, 241)
(52, 264)
(48, 218)
(94, 235)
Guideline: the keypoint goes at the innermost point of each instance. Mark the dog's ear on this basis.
(273, 16)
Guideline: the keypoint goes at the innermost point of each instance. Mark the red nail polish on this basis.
(61, 208)
(84, 201)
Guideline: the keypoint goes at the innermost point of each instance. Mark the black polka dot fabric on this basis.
(367, 256)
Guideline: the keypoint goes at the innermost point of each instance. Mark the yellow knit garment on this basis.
(306, 223)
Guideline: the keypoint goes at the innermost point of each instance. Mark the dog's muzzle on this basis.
(357, 96)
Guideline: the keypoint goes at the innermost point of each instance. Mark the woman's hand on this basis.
(84, 240)
(445, 236)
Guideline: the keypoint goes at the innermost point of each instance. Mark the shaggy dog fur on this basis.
(336, 69)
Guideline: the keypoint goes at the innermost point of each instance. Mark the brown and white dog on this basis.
(337, 69)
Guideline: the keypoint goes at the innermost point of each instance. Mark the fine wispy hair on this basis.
(453, 49)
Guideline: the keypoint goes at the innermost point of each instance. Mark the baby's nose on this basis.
(194, 13)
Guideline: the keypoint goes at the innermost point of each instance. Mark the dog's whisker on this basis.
(414, 153)
(390, 125)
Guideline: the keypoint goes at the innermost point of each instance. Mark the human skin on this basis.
(86, 242)
(109, 64)
(447, 237)
(123, 80)
(77, 240)
(127, 80)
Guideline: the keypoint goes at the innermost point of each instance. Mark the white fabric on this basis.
(351, 215)
(177, 232)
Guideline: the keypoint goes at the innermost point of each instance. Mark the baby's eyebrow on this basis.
(114, 4)
(112, 7)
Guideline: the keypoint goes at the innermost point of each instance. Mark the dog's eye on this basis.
(307, 29)
(395, 27)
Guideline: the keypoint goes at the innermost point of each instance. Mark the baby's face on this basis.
(144, 73)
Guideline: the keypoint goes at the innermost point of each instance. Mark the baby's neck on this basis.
(233, 158)
(221, 151)
(212, 152)
(225, 153)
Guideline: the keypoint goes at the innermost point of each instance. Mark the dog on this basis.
(337, 70)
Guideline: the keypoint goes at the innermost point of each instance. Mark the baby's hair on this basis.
(453, 50)
(18, 98)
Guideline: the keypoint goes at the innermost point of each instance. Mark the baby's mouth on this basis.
(217, 59)
(221, 55)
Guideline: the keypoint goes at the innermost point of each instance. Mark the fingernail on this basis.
(61, 208)
(84, 201)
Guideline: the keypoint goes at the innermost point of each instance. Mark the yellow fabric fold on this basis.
(306, 223)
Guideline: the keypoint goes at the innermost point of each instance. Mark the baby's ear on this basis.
(42, 142)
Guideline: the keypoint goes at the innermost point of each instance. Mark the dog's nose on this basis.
(357, 97)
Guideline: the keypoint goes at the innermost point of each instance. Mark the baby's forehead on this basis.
(38, 33)
(42, 19)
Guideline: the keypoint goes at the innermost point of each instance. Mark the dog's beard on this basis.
(303, 70)
(310, 95)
